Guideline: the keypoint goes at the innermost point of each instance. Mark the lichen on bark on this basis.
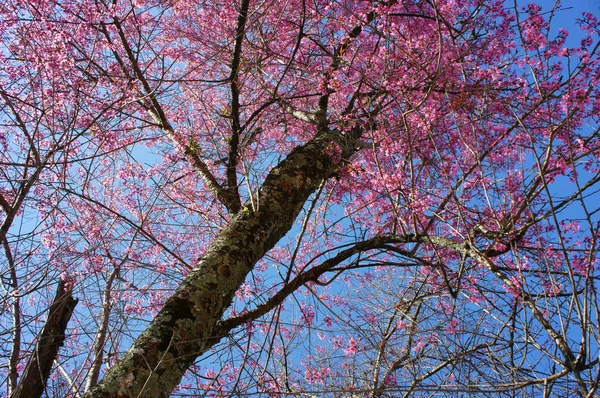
(185, 327)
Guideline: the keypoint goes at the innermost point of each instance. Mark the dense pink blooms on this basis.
(457, 230)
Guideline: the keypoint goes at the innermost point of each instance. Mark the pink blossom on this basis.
(351, 347)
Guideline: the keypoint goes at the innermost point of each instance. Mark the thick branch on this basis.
(312, 275)
(16, 307)
(235, 107)
(33, 382)
(191, 151)
(14, 209)
(4, 204)
(186, 327)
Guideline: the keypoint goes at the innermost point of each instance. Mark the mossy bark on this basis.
(185, 328)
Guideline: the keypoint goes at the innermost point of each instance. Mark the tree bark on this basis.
(33, 382)
(185, 328)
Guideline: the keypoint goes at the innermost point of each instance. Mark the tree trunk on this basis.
(33, 382)
(185, 328)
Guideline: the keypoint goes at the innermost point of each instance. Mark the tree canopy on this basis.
(298, 198)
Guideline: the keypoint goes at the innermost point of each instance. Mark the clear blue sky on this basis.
(571, 10)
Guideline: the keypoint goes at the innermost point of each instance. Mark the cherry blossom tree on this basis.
(298, 198)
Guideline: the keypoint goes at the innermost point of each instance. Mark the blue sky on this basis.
(566, 18)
